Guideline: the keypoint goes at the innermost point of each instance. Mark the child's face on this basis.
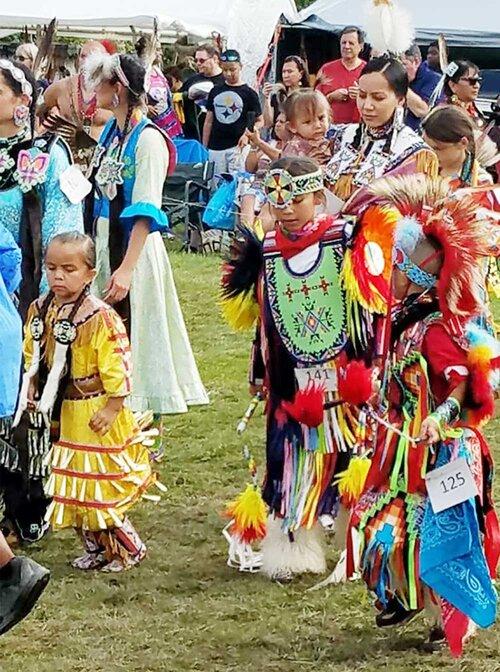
(297, 213)
(311, 124)
(232, 72)
(280, 129)
(67, 270)
(400, 284)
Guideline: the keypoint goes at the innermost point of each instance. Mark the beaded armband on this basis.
(446, 413)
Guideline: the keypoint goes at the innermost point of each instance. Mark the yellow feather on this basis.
(352, 481)
(240, 312)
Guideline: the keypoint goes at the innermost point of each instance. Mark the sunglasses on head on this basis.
(232, 58)
(472, 80)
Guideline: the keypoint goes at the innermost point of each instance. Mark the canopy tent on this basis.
(247, 25)
(462, 23)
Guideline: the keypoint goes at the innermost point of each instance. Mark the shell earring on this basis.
(20, 115)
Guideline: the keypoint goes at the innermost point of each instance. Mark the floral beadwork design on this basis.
(31, 170)
(6, 161)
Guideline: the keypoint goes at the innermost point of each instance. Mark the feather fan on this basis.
(45, 44)
(240, 273)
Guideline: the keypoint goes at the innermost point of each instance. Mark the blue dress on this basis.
(10, 323)
(58, 214)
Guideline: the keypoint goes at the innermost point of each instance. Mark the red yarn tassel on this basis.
(307, 406)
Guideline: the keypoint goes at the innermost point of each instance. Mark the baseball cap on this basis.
(230, 56)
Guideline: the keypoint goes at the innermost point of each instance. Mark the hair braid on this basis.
(358, 135)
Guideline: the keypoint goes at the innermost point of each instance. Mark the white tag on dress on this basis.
(319, 375)
(74, 184)
(450, 485)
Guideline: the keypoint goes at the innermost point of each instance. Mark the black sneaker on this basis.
(394, 614)
(20, 591)
(436, 641)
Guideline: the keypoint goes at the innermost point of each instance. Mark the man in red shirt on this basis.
(338, 80)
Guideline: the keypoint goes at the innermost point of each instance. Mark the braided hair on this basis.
(135, 72)
(449, 124)
(397, 79)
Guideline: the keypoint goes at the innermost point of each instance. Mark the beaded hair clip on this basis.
(19, 76)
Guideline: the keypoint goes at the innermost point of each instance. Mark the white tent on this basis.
(463, 23)
(247, 25)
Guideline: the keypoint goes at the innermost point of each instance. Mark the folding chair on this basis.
(187, 191)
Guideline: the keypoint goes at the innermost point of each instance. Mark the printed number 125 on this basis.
(452, 482)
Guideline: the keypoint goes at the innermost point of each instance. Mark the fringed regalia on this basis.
(411, 556)
(312, 316)
(33, 208)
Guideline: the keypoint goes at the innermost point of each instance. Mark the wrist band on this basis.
(446, 412)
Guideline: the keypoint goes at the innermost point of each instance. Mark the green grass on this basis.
(184, 609)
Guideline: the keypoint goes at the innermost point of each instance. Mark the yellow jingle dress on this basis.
(95, 479)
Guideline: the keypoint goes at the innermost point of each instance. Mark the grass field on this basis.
(184, 609)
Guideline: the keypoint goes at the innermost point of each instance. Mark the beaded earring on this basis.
(21, 115)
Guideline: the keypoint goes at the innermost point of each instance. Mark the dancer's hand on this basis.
(429, 431)
(118, 285)
(32, 396)
(257, 389)
(102, 420)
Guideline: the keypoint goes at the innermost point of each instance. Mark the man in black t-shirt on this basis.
(209, 70)
(229, 109)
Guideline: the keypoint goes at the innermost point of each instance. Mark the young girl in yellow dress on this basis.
(77, 358)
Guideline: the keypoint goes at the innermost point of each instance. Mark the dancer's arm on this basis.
(144, 215)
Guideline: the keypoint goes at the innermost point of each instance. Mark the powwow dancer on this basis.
(77, 360)
(416, 551)
(34, 206)
(22, 580)
(124, 215)
(308, 323)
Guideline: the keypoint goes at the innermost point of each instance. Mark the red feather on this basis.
(355, 383)
(482, 394)
(110, 46)
(307, 406)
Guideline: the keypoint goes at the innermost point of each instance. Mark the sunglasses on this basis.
(200, 60)
(232, 58)
(472, 80)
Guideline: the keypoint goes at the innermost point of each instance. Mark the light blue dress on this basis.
(58, 213)
(10, 323)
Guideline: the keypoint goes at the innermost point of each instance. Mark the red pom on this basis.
(110, 46)
(307, 406)
(355, 383)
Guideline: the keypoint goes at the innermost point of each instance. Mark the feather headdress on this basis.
(455, 224)
(388, 27)
(103, 67)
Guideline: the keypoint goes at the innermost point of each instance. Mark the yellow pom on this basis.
(352, 481)
(241, 311)
(249, 514)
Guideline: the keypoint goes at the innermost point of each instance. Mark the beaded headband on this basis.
(19, 76)
(281, 188)
(413, 272)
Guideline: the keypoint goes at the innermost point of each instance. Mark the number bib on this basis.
(317, 375)
(450, 485)
(308, 307)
